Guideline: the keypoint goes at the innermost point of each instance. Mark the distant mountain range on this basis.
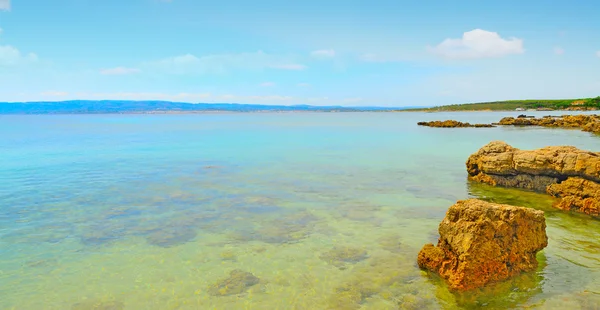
(118, 106)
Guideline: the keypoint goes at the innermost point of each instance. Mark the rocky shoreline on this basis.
(588, 123)
(565, 172)
(481, 243)
(453, 124)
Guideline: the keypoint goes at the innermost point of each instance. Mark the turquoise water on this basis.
(313, 210)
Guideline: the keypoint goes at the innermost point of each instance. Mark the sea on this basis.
(263, 211)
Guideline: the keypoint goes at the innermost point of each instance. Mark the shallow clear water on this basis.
(314, 210)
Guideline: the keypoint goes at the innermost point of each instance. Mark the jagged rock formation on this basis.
(589, 123)
(562, 171)
(482, 242)
(452, 124)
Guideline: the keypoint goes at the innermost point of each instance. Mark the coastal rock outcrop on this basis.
(577, 194)
(565, 172)
(452, 124)
(482, 242)
(589, 123)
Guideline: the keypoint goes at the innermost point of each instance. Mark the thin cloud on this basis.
(327, 53)
(4, 5)
(386, 57)
(478, 44)
(222, 63)
(119, 71)
(296, 67)
(11, 56)
(559, 51)
(598, 53)
(267, 84)
(55, 93)
(303, 85)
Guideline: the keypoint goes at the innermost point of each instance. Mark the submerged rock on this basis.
(482, 242)
(340, 256)
(98, 305)
(452, 124)
(238, 282)
(171, 236)
(562, 171)
(289, 228)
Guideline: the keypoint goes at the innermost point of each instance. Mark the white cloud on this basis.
(303, 85)
(4, 5)
(598, 53)
(10, 56)
(559, 51)
(289, 67)
(119, 71)
(323, 53)
(1, 30)
(267, 84)
(478, 44)
(222, 63)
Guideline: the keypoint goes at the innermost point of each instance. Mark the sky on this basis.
(351, 53)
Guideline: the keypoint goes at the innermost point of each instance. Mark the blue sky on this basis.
(383, 53)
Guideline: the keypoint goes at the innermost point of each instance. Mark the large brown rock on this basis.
(482, 242)
(562, 171)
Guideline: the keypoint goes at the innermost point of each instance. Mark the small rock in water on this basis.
(228, 256)
(238, 282)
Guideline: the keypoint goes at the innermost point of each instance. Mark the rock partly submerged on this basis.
(482, 243)
(565, 172)
(452, 124)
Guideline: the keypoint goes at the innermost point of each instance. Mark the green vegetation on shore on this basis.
(511, 105)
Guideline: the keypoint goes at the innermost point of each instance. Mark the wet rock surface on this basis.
(452, 124)
(482, 243)
(562, 171)
(238, 282)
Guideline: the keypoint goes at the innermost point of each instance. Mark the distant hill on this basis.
(118, 106)
(511, 105)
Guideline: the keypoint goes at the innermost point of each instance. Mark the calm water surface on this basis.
(261, 211)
